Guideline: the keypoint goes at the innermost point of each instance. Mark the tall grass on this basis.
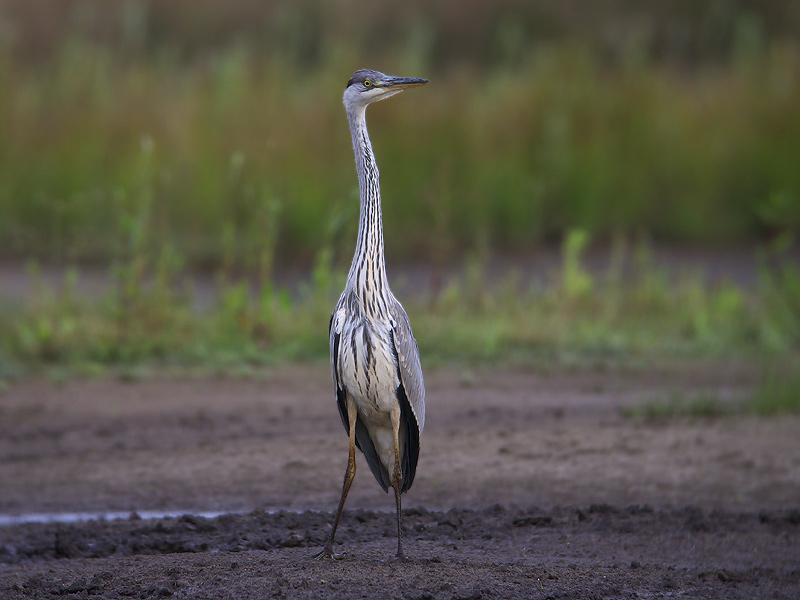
(506, 158)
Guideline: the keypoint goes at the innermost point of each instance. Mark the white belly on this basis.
(369, 374)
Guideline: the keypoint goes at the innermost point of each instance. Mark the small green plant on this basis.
(577, 282)
(778, 394)
(678, 405)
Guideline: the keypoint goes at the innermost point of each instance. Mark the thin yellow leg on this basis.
(349, 475)
(397, 477)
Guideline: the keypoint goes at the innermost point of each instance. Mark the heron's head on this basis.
(367, 86)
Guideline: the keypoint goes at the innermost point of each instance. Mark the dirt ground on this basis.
(529, 485)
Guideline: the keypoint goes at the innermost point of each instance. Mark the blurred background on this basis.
(591, 216)
(177, 184)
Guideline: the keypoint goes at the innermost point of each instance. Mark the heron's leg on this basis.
(349, 475)
(397, 476)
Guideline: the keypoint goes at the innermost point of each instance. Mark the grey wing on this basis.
(410, 392)
(408, 363)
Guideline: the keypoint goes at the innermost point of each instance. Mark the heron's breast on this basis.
(368, 369)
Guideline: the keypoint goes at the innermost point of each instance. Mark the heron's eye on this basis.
(367, 83)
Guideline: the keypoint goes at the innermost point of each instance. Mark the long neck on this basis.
(368, 270)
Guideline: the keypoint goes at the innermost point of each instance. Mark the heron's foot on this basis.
(401, 556)
(327, 553)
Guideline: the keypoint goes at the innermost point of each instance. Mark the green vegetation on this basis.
(533, 139)
(679, 406)
(159, 138)
(149, 317)
(777, 394)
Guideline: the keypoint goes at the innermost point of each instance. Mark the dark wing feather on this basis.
(410, 394)
(411, 439)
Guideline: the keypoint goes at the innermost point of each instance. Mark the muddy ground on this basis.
(529, 485)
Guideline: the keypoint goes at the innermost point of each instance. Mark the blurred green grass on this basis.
(776, 394)
(159, 138)
(510, 157)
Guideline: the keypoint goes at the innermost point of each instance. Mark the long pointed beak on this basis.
(402, 83)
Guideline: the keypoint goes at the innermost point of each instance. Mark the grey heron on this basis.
(375, 363)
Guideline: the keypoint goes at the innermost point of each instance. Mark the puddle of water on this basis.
(79, 517)
(146, 515)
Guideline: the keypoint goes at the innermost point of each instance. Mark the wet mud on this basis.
(530, 485)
